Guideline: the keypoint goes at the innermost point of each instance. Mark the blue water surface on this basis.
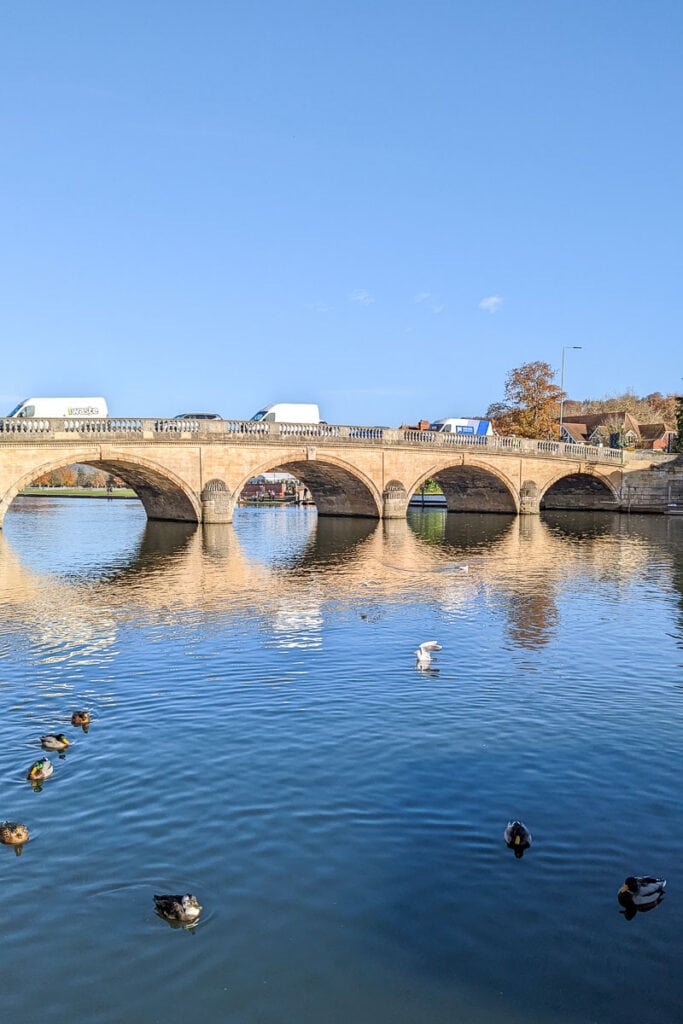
(263, 738)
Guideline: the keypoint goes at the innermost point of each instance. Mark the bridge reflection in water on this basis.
(328, 566)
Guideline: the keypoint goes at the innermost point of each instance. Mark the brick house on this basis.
(601, 429)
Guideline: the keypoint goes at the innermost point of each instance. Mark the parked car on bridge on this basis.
(197, 416)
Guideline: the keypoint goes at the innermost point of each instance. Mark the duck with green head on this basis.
(40, 770)
(642, 891)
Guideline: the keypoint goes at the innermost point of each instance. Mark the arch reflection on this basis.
(517, 568)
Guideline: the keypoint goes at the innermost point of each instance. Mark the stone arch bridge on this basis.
(194, 470)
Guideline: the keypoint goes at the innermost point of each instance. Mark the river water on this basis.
(262, 738)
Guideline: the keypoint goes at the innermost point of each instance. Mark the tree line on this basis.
(78, 476)
(531, 405)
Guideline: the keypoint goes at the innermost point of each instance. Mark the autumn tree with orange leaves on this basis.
(532, 402)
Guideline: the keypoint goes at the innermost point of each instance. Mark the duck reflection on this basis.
(630, 911)
(183, 926)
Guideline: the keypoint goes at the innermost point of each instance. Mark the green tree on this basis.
(83, 476)
(532, 402)
(678, 445)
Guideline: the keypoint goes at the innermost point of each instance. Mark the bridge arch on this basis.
(337, 488)
(472, 487)
(164, 495)
(581, 491)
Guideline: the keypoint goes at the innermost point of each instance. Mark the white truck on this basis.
(288, 412)
(463, 425)
(49, 408)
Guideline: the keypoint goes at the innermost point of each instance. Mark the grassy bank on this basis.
(78, 492)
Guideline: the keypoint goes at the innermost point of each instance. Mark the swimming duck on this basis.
(81, 718)
(518, 837)
(642, 892)
(185, 908)
(40, 770)
(13, 834)
(55, 741)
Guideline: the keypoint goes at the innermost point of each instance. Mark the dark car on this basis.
(198, 416)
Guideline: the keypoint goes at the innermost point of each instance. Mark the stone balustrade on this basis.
(249, 430)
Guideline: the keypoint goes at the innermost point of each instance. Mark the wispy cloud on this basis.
(436, 307)
(491, 304)
(320, 307)
(361, 296)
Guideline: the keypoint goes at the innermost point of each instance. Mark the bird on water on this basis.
(424, 652)
(641, 891)
(12, 833)
(185, 909)
(81, 718)
(40, 770)
(54, 741)
(518, 837)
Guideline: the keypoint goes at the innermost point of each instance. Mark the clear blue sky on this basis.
(212, 205)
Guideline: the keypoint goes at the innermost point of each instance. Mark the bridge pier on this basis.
(394, 501)
(529, 499)
(217, 503)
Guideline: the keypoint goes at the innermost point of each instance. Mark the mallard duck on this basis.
(518, 837)
(12, 833)
(55, 741)
(81, 718)
(643, 891)
(178, 908)
(40, 770)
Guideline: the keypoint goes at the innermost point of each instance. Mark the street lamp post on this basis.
(564, 349)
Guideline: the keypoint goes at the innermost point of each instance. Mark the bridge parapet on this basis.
(257, 432)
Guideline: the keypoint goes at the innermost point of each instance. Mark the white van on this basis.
(463, 425)
(47, 408)
(289, 412)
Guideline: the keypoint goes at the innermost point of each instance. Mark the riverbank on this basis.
(127, 492)
(78, 492)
